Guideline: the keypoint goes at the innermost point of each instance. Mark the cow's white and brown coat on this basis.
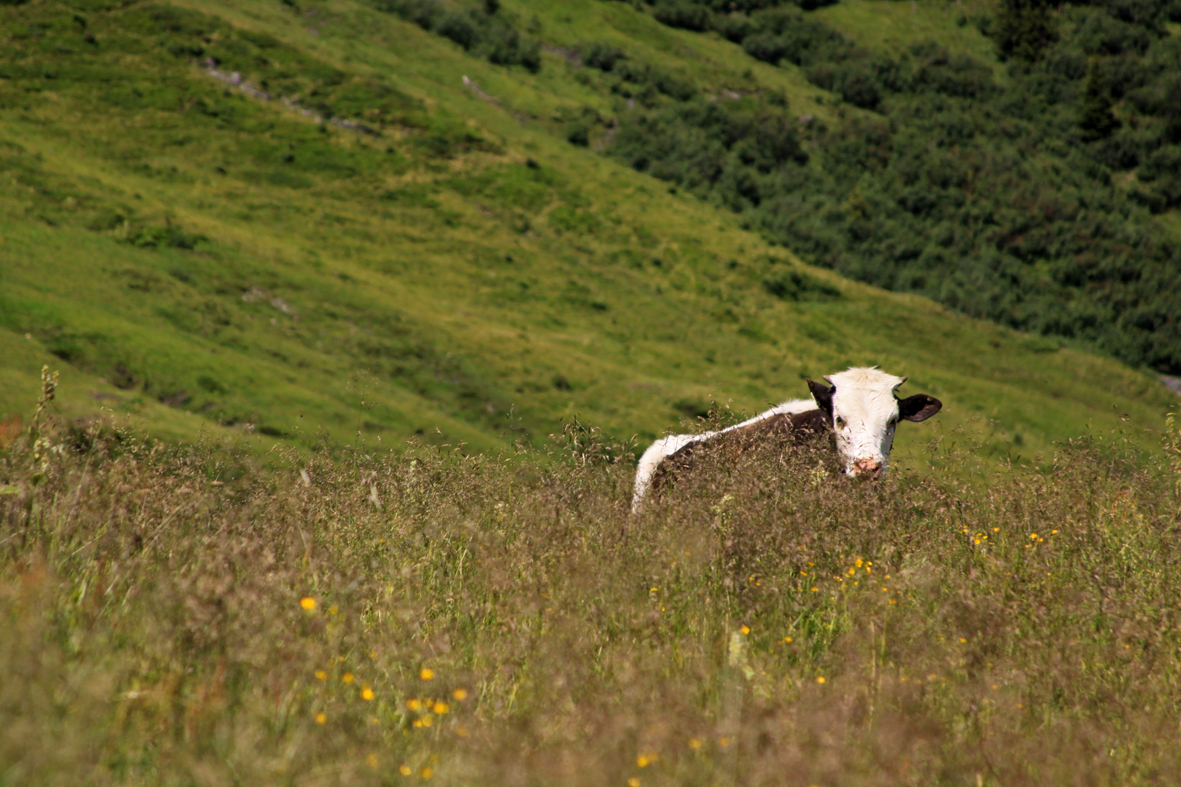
(858, 410)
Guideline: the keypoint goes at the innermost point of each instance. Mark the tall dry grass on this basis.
(366, 619)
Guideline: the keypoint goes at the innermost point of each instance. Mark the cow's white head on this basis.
(863, 411)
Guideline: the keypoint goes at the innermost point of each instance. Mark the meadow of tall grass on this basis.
(425, 615)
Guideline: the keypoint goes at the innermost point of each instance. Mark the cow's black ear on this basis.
(823, 395)
(919, 407)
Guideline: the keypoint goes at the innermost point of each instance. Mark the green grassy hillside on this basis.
(383, 236)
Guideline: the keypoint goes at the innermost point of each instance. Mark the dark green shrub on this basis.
(482, 29)
(683, 14)
(797, 286)
(601, 55)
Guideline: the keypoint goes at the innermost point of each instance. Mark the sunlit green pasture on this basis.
(462, 273)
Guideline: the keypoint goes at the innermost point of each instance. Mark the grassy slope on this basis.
(456, 297)
(892, 27)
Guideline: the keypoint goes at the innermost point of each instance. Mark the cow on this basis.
(855, 413)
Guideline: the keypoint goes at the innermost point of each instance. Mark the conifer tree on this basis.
(1023, 28)
(1095, 118)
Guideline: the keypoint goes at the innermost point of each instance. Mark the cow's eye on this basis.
(840, 422)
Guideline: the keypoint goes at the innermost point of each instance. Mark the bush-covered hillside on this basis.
(1024, 193)
(334, 224)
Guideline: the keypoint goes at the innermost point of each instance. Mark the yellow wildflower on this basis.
(321, 675)
(367, 694)
(348, 678)
(405, 770)
(414, 705)
(308, 603)
(440, 708)
(460, 694)
(321, 717)
(426, 673)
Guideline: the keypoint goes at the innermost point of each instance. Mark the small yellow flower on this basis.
(820, 679)
(460, 694)
(347, 678)
(308, 603)
(333, 609)
(405, 770)
(440, 708)
(373, 654)
(427, 721)
(427, 773)
(1053, 532)
(633, 782)
(426, 673)
(1033, 536)
(417, 722)
(321, 717)
(814, 590)
(745, 629)
(694, 743)
(414, 705)
(367, 694)
(723, 742)
(963, 641)
(461, 732)
(371, 760)
(787, 640)
(321, 675)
